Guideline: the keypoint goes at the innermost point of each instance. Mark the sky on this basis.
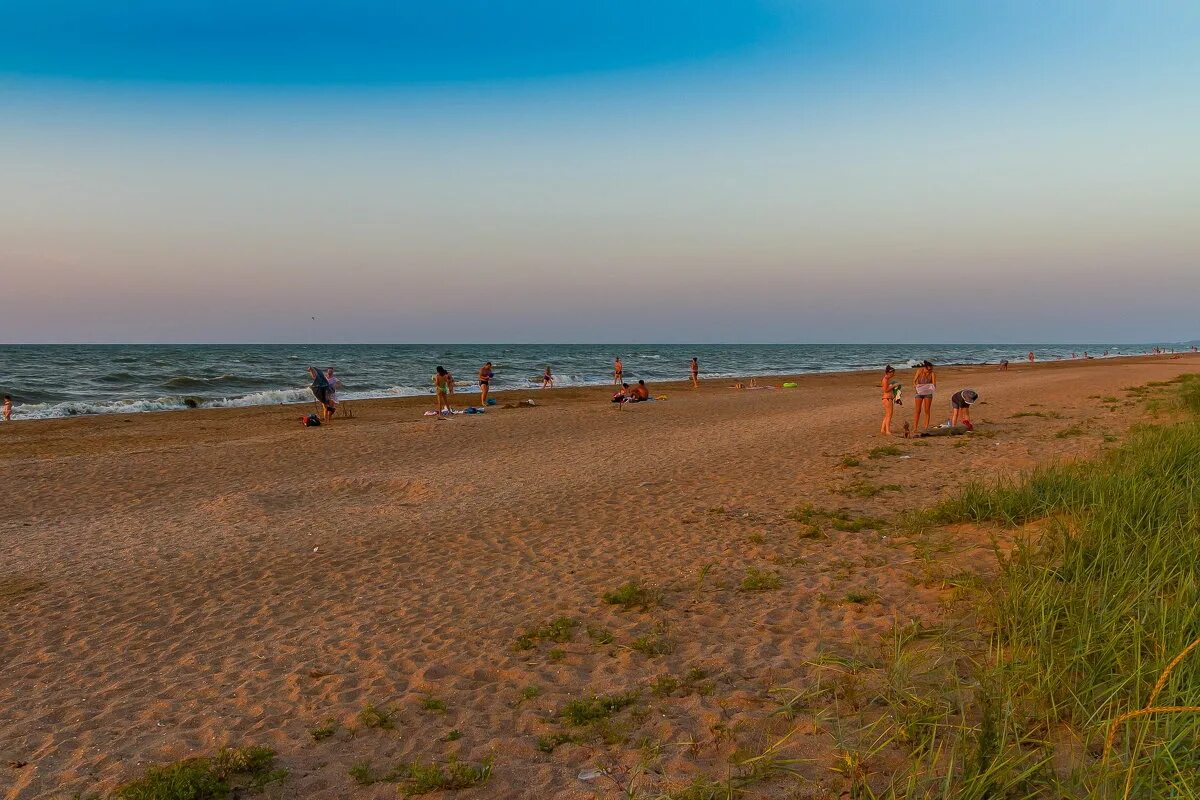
(599, 171)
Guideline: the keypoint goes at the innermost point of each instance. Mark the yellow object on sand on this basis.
(661, 397)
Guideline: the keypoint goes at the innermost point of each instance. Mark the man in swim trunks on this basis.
(960, 406)
(485, 379)
(641, 392)
(695, 373)
(618, 371)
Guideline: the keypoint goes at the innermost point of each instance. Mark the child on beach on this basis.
(925, 383)
(8, 408)
(443, 387)
(548, 379)
(960, 406)
(485, 379)
(618, 371)
(695, 373)
(886, 386)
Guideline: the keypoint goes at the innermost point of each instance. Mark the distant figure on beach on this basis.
(886, 385)
(334, 382)
(960, 406)
(8, 408)
(924, 385)
(618, 372)
(1030, 356)
(547, 379)
(695, 373)
(322, 391)
(1004, 365)
(443, 387)
(485, 379)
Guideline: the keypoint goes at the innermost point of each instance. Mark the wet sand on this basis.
(172, 583)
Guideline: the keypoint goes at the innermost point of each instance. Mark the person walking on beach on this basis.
(485, 379)
(547, 379)
(695, 373)
(960, 406)
(322, 391)
(8, 408)
(1030, 356)
(885, 386)
(618, 372)
(443, 387)
(924, 384)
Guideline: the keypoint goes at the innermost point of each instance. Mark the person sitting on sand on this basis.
(695, 373)
(485, 379)
(886, 388)
(622, 396)
(323, 393)
(618, 372)
(443, 387)
(641, 392)
(547, 379)
(924, 385)
(960, 406)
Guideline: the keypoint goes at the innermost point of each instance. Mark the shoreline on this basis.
(405, 401)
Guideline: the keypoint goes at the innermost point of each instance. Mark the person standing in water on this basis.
(618, 372)
(885, 386)
(443, 387)
(485, 379)
(924, 384)
(8, 408)
(1030, 356)
(321, 391)
(695, 373)
(547, 379)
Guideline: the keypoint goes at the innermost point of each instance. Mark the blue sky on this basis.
(667, 171)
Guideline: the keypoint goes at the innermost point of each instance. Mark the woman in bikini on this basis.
(885, 386)
(443, 387)
(924, 383)
(548, 379)
(485, 378)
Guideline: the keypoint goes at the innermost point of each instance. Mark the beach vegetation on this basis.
(531, 692)
(599, 635)
(450, 776)
(594, 708)
(1071, 430)
(866, 489)
(884, 451)
(434, 704)
(373, 716)
(664, 685)
(323, 731)
(560, 630)
(860, 597)
(556, 654)
(550, 742)
(206, 778)
(453, 735)
(850, 461)
(843, 521)
(632, 594)
(655, 643)
(758, 580)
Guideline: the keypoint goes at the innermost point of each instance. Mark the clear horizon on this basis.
(689, 172)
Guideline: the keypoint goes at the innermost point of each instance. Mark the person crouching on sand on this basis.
(322, 391)
(485, 378)
(885, 386)
(443, 387)
(960, 406)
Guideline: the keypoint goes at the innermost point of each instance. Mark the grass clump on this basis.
(1069, 431)
(552, 741)
(866, 489)
(589, 710)
(842, 521)
(653, 644)
(451, 776)
(559, 630)
(431, 703)
(859, 597)
(215, 778)
(758, 580)
(885, 450)
(373, 716)
(632, 594)
(599, 635)
(850, 461)
(324, 730)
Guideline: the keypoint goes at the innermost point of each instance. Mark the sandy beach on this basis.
(173, 583)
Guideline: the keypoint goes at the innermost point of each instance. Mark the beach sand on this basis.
(172, 583)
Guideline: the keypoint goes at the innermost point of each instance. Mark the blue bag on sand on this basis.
(491, 401)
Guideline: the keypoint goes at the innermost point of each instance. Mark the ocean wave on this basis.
(188, 382)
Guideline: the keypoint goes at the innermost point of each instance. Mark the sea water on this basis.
(65, 380)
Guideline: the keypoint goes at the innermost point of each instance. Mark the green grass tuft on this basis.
(632, 594)
(215, 778)
(757, 580)
(597, 707)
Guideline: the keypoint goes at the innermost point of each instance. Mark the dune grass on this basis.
(229, 772)
(1089, 609)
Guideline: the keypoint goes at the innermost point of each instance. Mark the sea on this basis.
(48, 381)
